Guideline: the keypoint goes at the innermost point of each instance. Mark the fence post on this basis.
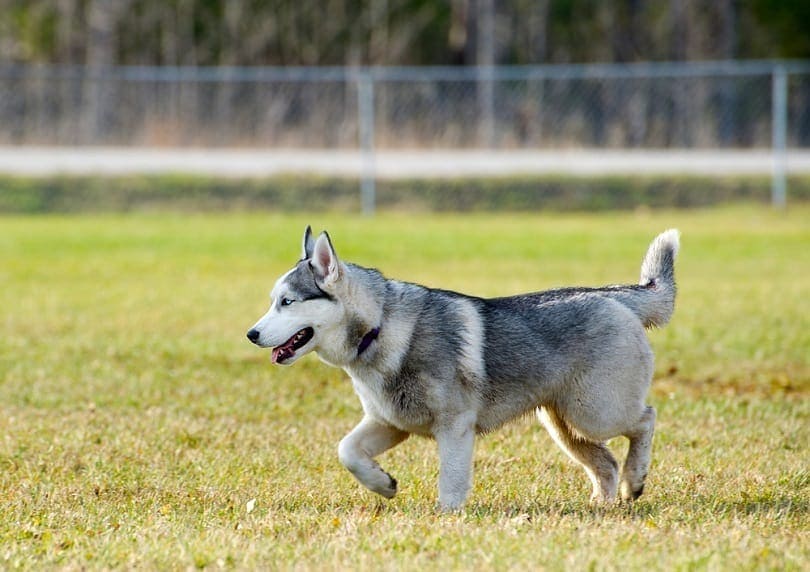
(365, 107)
(779, 88)
(485, 85)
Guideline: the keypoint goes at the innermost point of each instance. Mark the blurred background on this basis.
(564, 95)
(160, 158)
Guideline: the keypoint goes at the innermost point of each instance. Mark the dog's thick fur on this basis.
(449, 366)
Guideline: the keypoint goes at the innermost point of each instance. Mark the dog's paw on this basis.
(628, 493)
(630, 489)
(601, 499)
(390, 489)
(451, 504)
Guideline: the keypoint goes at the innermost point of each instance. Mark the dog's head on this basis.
(305, 309)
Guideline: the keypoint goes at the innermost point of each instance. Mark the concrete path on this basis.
(43, 161)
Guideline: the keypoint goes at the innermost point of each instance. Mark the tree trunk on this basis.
(485, 59)
(728, 91)
(99, 100)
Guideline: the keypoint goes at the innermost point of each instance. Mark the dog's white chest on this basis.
(369, 388)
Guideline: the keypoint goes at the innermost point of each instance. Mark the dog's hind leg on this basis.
(358, 449)
(595, 458)
(638, 456)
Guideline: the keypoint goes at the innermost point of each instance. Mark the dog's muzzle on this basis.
(253, 335)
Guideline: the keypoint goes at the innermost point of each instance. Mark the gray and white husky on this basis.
(449, 366)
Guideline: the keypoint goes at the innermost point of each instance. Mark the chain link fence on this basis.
(661, 106)
(713, 106)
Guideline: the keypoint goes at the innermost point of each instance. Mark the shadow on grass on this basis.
(781, 507)
(778, 506)
(557, 509)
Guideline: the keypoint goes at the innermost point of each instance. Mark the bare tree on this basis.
(678, 52)
(103, 17)
(728, 50)
(485, 60)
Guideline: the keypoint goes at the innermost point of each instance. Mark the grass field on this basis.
(140, 429)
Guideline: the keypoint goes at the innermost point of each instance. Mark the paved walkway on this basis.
(42, 161)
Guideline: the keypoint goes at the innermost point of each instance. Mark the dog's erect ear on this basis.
(324, 260)
(307, 244)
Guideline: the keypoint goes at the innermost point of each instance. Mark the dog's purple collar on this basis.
(367, 339)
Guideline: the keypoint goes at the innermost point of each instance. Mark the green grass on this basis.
(190, 193)
(139, 429)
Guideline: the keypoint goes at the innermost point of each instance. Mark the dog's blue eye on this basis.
(286, 301)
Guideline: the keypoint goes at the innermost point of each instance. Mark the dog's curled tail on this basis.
(658, 277)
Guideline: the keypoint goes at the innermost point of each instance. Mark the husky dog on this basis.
(449, 366)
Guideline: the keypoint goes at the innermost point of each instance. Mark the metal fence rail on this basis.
(710, 105)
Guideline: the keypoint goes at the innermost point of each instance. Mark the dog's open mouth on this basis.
(287, 350)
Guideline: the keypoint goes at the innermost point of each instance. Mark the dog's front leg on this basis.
(456, 441)
(358, 449)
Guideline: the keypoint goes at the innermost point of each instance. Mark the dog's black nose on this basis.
(253, 335)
